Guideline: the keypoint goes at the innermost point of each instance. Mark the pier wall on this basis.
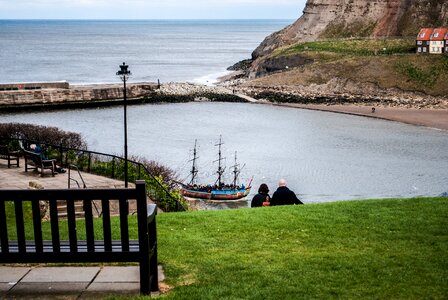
(72, 95)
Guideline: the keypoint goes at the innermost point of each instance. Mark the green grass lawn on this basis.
(360, 249)
(381, 249)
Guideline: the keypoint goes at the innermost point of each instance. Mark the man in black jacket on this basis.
(283, 195)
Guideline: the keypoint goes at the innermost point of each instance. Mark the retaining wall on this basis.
(72, 95)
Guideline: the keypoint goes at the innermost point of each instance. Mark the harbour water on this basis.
(324, 156)
(90, 51)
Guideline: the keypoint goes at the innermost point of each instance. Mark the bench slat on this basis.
(65, 255)
(20, 225)
(54, 224)
(71, 220)
(107, 232)
(124, 210)
(89, 225)
(3, 228)
(37, 225)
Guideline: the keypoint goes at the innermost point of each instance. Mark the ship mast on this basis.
(194, 168)
(220, 168)
(236, 172)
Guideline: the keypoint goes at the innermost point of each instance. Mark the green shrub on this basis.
(42, 134)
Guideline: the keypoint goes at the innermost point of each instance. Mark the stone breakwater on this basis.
(110, 94)
(80, 95)
(339, 91)
(191, 89)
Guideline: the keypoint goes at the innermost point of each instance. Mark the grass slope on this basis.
(375, 249)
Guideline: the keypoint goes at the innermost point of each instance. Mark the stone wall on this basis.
(74, 94)
(34, 85)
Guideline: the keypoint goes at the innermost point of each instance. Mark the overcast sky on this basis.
(151, 9)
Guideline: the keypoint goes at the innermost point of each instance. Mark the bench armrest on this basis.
(152, 212)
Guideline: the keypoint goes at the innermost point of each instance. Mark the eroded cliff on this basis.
(323, 19)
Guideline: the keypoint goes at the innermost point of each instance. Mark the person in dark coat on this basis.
(283, 195)
(262, 198)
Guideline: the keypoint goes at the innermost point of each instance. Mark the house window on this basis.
(422, 35)
(424, 49)
(436, 35)
(419, 49)
(419, 42)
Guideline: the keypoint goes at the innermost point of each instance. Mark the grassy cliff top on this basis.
(388, 63)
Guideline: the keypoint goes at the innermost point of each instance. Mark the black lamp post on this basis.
(124, 74)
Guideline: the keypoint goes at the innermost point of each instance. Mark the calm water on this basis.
(90, 51)
(324, 156)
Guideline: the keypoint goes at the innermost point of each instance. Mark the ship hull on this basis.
(220, 195)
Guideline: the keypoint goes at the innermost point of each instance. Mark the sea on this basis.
(90, 51)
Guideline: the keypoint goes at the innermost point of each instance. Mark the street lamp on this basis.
(124, 74)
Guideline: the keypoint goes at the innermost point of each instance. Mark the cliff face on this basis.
(359, 18)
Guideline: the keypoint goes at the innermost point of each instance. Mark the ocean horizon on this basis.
(90, 51)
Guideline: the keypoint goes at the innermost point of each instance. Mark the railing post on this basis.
(89, 162)
(61, 158)
(66, 158)
(113, 167)
(153, 263)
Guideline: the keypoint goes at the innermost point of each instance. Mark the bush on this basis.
(41, 134)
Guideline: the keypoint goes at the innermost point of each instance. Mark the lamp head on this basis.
(124, 73)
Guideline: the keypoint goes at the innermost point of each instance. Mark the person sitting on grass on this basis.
(262, 198)
(283, 195)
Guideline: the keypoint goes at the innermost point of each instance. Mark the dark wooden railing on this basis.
(79, 246)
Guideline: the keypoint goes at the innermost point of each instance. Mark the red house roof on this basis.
(424, 34)
(439, 34)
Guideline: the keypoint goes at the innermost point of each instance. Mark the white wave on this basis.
(210, 79)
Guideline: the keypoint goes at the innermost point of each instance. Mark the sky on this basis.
(151, 9)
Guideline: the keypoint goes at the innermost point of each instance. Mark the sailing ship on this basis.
(218, 191)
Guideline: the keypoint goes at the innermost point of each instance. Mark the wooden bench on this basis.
(35, 247)
(5, 153)
(36, 162)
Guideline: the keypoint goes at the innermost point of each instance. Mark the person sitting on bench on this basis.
(38, 150)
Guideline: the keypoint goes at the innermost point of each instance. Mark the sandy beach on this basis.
(433, 118)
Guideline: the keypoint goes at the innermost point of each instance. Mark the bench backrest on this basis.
(35, 157)
(87, 248)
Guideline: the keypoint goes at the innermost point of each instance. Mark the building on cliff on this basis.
(423, 40)
(446, 43)
(436, 45)
(432, 40)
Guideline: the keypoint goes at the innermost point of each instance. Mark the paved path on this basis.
(69, 282)
(17, 178)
